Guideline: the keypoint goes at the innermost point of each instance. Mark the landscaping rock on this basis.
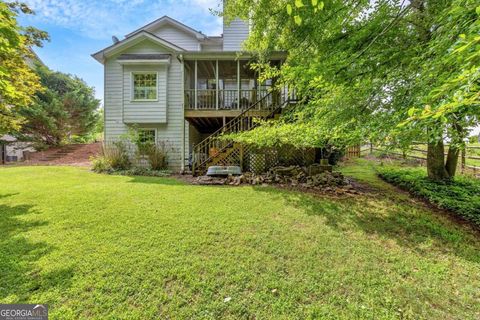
(292, 176)
(206, 180)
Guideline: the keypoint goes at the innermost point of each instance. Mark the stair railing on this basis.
(210, 147)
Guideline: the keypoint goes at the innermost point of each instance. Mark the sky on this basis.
(78, 28)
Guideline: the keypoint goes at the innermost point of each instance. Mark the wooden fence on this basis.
(353, 152)
(469, 157)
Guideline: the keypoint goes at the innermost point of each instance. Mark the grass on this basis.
(114, 247)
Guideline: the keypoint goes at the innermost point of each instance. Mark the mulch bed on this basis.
(78, 157)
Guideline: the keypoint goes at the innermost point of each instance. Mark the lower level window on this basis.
(147, 135)
(145, 86)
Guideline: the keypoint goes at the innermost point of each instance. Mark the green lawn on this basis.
(112, 247)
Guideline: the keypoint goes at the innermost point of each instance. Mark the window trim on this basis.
(132, 85)
(150, 129)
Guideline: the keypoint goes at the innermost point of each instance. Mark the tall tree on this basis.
(18, 83)
(386, 71)
(66, 108)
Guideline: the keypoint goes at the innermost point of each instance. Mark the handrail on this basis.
(222, 129)
(234, 125)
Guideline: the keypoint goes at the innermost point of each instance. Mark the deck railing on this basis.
(228, 99)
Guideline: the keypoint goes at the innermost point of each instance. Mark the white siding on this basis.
(212, 47)
(146, 46)
(145, 111)
(234, 34)
(178, 37)
(171, 131)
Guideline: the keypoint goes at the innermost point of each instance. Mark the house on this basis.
(180, 86)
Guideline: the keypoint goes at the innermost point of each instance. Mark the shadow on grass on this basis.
(387, 217)
(20, 277)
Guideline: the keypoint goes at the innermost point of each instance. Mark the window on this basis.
(147, 135)
(145, 86)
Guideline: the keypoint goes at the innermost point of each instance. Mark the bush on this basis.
(100, 164)
(116, 154)
(114, 157)
(155, 154)
(461, 195)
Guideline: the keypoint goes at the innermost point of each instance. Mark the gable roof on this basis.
(167, 20)
(132, 40)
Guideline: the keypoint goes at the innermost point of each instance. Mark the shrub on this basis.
(157, 157)
(100, 164)
(461, 195)
(116, 155)
(155, 154)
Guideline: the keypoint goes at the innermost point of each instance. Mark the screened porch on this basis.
(224, 85)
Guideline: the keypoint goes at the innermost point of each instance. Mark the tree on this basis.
(66, 108)
(391, 72)
(18, 83)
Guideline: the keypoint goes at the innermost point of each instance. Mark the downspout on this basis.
(104, 101)
(180, 59)
(238, 84)
(216, 84)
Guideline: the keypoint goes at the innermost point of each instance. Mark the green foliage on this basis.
(100, 125)
(67, 108)
(18, 83)
(100, 164)
(154, 152)
(364, 68)
(461, 195)
(157, 156)
(115, 156)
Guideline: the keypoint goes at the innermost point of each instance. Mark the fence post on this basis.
(463, 161)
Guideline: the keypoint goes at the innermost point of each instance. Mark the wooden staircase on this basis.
(214, 151)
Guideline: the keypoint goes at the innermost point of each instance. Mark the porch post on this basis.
(196, 84)
(238, 83)
(216, 84)
(183, 119)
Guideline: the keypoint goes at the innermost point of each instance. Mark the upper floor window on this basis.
(145, 86)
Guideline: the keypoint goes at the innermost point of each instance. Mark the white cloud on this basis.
(98, 19)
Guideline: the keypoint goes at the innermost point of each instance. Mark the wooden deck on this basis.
(220, 113)
(207, 121)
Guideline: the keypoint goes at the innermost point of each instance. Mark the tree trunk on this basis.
(452, 161)
(436, 161)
